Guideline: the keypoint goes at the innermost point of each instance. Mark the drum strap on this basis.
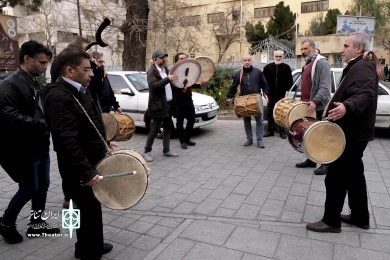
(239, 85)
(108, 150)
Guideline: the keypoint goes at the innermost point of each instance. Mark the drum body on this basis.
(249, 105)
(126, 191)
(111, 125)
(321, 141)
(207, 69)
(188, 72)
(287, 110)
(126, 127)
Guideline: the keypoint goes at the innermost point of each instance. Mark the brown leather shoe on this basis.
(322, 227)
(349, 220)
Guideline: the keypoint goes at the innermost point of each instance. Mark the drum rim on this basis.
(117, 124)
(305, 135)
(147, 179)
(203, 57)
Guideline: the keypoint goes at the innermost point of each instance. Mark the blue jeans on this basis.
(259, 127)
(33, 186)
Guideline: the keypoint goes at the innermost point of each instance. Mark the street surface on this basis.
(221, 200)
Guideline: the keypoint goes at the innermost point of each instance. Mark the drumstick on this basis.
(117, 175)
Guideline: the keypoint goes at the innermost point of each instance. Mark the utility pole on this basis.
(79, 17)
(240, 27)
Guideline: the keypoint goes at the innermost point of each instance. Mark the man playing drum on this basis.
(279, 79)
(78, 145)
(315, 89)
(353, 108)
(252, 82)
(184, 109)
(159, 105)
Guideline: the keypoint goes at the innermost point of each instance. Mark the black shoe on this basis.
(191, 143)
(10, 234)
(270, 133)
(349, 220)
(306, 164)
(183, 146)
(322, 170)
(39, 228)
(283, 135)
(107, 247)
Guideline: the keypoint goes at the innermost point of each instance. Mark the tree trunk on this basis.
(135, 34)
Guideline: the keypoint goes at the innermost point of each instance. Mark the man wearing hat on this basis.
(159, 105)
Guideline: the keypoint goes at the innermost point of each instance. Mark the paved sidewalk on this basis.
(221, 200)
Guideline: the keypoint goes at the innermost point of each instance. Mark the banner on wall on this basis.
(347, 24)
(9, 48)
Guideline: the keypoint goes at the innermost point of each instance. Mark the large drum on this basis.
(119, 127)
(207, 69)
(249, 105)
(321, 141)
(126, 191)
(287, 110)
(188, 72)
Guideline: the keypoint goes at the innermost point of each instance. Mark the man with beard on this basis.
(159, 105)
(279, 79)
(25, 139)
(106, 95)
(315, 89)
(251, 82)
(75, 122)
(352, 107)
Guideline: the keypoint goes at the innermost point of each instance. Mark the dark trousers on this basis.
(157, 122)
(270, 115)
(346, 174)
(185, 109)
(33, 185)
(90, 234)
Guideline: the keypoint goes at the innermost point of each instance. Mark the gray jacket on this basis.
(321, 82)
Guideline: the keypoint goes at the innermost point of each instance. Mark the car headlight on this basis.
(197, 108)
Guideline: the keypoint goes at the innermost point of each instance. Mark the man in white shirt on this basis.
(159, 105)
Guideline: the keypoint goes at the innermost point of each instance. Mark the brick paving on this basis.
(221, 200)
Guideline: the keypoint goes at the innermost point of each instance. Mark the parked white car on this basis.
(383, 108)
(132, 92)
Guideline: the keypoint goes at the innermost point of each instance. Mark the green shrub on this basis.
(218, 86)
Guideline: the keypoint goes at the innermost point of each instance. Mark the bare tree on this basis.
(225, 28)
(173, 27)
(48, 24)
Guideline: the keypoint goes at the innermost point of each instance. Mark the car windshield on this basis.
(139, 81)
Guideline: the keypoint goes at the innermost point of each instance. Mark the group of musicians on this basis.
(68, 108)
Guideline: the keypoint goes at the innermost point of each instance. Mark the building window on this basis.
(192, 55)
(316, 6)
(65, 36)
(264, 12)
(215, 17)
(190, 21)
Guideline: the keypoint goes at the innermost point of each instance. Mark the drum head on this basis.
(188, 71)
(324, 142)
(299, 111)
(207, 69)
(112, 127)
(121, 192)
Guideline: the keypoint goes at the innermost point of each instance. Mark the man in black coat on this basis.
(252, 82)
(25, 153)
(106, 95)
(279, 79)
(386, 71)
(353, 108)
(159, 105)
(78, 145)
